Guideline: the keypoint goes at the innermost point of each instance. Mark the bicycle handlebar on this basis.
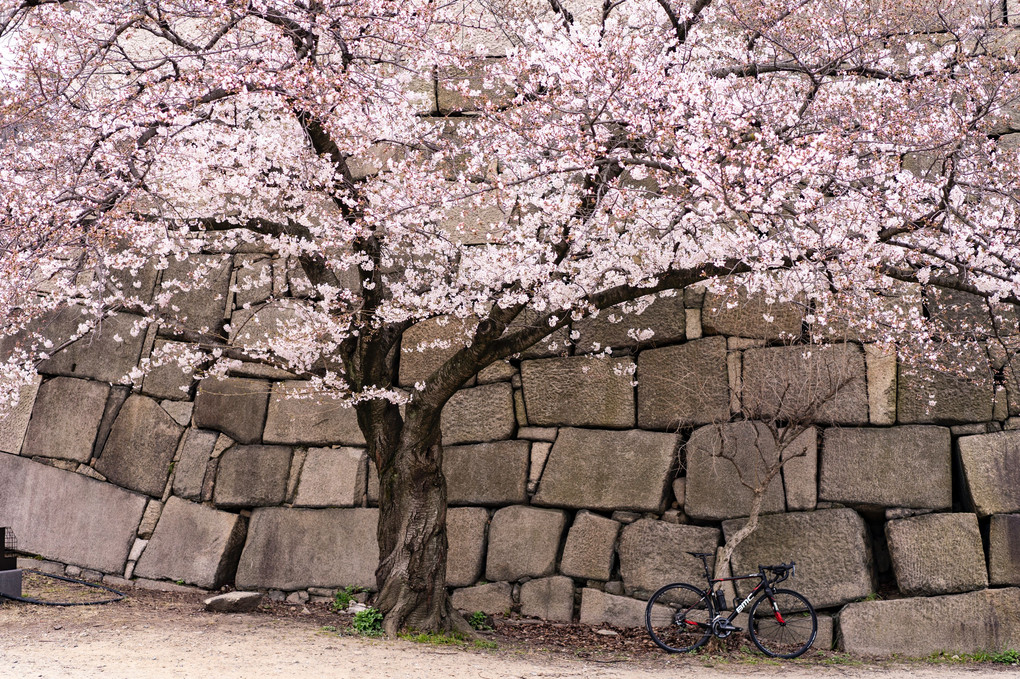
(782, 571)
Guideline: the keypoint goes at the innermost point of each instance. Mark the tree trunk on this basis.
(412, 535)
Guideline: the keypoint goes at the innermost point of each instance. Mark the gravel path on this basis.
(154, 638)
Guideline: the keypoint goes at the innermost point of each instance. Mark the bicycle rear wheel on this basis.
(785, 626)
(678, 617)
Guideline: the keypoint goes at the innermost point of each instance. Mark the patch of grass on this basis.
(840, 659)
(451, 639)
(328, 628)
(345, 596)
(1009, 656)
(368, 622)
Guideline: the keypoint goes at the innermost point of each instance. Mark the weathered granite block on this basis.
(465, 533)
(589, 469)
(332, 477)
(988, 620)
(806, 384)
(292, 549)
(493, 598)
(800, 471)
(882, 369)
(198, 287)
(251, 476)
(234, 602)
(991, 464)
(683, 385)
(720, 459)
(14, 424)
(66, 516)
(107, 354)
(194, 543)
(591, 543)
(523, 542)
(297, 416)
(958, 394)
(427, 345)
(735, 312)
(190, 470)
(548, 598)
(832, 549)
(485, 413)
(937, 554)
(868, 466)
(168, 379)
(599, 608)
(579, 391)
(615, 327)
(234, 406)
(141, 446)
(254, 280)
(493, 473)
(1004, 549)
(654, 553)
(65, 419)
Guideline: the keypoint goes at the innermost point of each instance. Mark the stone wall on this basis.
(576, 484)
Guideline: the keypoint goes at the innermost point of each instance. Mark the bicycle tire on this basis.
(678, 617)
(787, 630)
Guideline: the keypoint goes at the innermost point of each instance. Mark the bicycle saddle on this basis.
(700, 554)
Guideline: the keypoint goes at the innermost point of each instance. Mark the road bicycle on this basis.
(781, 622)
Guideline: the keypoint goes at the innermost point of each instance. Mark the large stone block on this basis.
(868, 466)
(492, 598)
(465, 533)
(881, 366)
(589, 469)
(427, 345)
(234, 406)
(189, 474)
(654, 553)
(800, 470)
(141, 446)
(1004, 549)
(168, 379)
(599, 608)
(524, 542)
(193, 543)
(806, 384)
(685, 385)
(332, 477)
(937, 554)
(735, 312)
(198, 288)
(988, 620)
(68, 517)
(991, 463)
(252, 476)
(300, 416)
(549, 598)
(579, 392)
(721, 459)
(615, 327)
(591, 543)
(106, 354)
(253, 280)
(485, 413)
(832, 549)
(65, 419)
(293, 549)
(487, 473)
(14, 424)
(960, 390)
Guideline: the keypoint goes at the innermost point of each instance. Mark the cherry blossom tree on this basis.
(587, 154)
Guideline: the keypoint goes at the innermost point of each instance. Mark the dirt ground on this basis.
(160, 635)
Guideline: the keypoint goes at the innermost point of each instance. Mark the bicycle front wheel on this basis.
(783, 625)
(679, 617)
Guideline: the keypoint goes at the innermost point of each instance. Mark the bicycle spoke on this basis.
(678, 617)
